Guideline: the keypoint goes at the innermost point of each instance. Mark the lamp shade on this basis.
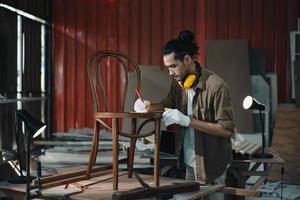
(35, 126)
(251, 103)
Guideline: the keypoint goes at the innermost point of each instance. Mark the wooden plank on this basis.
(73, 179)
(227, 57)
(102, 188)
(286, 140)
(71, 174)
(258, 183)
(115, 153)
(167, 190)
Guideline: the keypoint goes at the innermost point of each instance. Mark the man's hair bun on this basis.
(186, 35)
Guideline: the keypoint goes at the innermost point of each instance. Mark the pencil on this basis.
(139, 95)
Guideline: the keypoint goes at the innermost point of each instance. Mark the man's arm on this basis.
(211, 128)
(223, 115)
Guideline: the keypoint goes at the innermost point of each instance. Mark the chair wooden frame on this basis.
(94, 63)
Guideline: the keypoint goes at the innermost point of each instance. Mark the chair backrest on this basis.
(96, 63)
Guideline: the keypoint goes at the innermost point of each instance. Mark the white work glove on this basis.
(140, 106)
(174, 116)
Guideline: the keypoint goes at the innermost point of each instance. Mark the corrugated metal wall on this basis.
(141, 27)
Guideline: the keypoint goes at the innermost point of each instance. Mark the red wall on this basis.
(141, 27)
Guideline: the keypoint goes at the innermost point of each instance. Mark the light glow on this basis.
(247, 103)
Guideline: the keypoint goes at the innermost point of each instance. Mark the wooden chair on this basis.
(94, 64)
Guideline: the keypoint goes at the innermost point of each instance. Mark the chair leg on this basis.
(156, 152)
(131, 156)
(96, 142)
(94, 150)
(131, 149)
(115, 153)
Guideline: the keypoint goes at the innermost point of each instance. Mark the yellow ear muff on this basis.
(188, 82)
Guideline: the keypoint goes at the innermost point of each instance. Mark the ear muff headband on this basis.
(188, 81)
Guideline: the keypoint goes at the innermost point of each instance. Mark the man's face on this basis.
(176, 68)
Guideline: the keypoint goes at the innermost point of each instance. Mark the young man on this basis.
(199, 102)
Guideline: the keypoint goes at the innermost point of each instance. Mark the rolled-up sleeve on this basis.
(223, 108)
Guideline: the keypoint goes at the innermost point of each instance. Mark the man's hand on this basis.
(174, 116)
(141, 106)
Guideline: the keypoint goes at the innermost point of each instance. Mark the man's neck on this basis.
(192, 68)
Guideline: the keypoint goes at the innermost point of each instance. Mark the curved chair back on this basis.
(100, 59)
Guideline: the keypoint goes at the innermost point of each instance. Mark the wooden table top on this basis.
(97, 189)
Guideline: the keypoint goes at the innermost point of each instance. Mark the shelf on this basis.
(25, 99)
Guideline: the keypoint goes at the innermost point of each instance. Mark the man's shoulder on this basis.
(214, 81)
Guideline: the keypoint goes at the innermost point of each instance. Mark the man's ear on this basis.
(187, 59)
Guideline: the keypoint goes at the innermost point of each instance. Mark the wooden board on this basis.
(100, 189)
(229, 59)
(286, 140)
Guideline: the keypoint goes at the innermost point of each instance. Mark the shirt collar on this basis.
(202, 80)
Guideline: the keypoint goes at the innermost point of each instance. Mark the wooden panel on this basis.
(286, 141)
(228, 57)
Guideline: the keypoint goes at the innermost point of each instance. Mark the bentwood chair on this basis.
(104, 116)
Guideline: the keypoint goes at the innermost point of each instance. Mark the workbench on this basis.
(239, 172)
(243, 170)
(97, 189)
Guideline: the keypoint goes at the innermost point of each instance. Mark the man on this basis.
(199, 102)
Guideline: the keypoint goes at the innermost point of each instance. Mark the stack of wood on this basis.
(243, 150)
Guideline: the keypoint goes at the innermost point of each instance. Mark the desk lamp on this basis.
(34, 128)
(251, 103)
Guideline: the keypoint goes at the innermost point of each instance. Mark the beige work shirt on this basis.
(211, 103)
